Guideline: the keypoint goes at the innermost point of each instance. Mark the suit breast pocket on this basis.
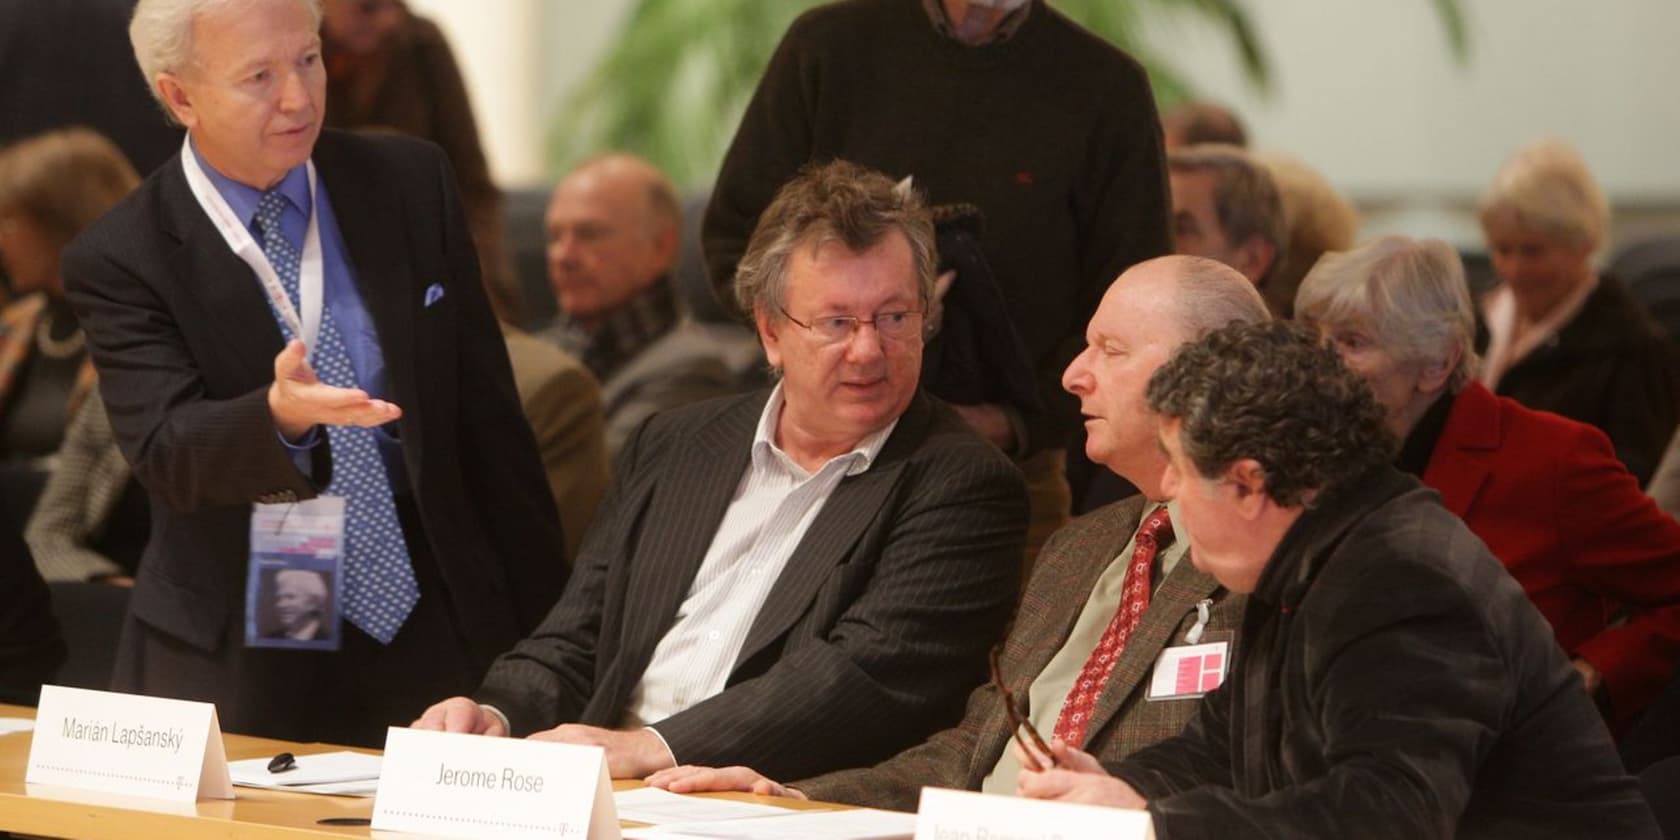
(435, 325)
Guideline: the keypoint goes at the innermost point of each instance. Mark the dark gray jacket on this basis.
(1393, 681)
(872, 635)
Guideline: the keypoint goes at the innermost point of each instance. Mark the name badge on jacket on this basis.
(294, 584)
(1189, 671)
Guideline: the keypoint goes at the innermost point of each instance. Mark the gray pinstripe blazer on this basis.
(874, 632)
(1123, 720)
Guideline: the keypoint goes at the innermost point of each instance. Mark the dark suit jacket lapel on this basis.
(835, 531)
(1168, 606)
(694, 490)
(370, 222)
(1458, 468)
(210, 274)
(1048, 613)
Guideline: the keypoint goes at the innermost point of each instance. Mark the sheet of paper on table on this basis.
(10, 725)
(341, 773)
(658, 807)
(855, 824)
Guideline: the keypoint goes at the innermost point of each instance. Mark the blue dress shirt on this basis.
(339, 290)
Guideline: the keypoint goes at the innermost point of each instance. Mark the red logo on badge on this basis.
(1024, 178)
(1199, 674)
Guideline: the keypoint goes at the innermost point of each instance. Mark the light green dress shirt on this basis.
(1050, 689)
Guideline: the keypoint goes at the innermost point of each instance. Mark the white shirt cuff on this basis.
(663, 743)
(507, 728)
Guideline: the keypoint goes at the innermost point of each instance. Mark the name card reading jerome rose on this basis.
(503, 788)
(128, 744)
(961, 815)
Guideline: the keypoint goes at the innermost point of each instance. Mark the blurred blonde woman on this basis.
(1563, 337)
(1545, 493)
(51, 186)
(1316, 219)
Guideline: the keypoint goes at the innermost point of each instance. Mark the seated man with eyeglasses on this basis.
(1118, 633)
(802, 579)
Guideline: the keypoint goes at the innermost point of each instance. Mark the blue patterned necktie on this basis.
(379, 586)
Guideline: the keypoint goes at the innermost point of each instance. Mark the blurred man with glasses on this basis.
(801, 579)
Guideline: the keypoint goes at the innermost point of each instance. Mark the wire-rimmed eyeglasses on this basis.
(834, 329)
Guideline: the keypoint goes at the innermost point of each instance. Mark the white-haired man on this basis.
(396, 408)
(300, 601)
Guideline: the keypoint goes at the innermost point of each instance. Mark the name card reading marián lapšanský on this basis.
(502, 788)
(961, 815)
(128, 744)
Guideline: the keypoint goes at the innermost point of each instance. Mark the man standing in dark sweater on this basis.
(1004, 104)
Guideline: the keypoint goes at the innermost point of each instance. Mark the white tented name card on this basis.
(503, 788)
(961, 815)
(128, 744)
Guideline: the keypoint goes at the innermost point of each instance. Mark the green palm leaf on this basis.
(680, 72)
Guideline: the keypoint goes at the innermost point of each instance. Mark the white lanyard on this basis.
(245, 247)
(1195, 634)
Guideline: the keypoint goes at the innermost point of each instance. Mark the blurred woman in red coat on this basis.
(1546, 493)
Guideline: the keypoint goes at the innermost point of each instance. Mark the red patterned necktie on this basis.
(1134, 599)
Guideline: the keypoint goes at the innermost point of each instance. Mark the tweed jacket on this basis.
(84, 486)
(868, 640)
(1393, 682)
(1123, 720)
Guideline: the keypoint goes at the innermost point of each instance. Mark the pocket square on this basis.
(434, 293)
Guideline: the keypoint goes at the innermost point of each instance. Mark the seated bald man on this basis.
(613, 228)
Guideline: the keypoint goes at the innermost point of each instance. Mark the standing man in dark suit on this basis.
(802, 579)
(1078, 589)
(397, 405)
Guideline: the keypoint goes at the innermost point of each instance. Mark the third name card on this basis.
(503, 788)
(961, 815)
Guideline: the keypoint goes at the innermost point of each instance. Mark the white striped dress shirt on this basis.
(775, 502)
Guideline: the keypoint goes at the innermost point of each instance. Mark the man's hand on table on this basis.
(461, 714)
(1077, 777)
(690, 778)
